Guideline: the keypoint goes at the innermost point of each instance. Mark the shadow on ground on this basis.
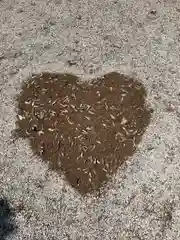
(7, 225)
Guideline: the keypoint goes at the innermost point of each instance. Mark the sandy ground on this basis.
(136, 37)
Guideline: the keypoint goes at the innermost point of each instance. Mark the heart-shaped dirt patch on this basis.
(86, 130)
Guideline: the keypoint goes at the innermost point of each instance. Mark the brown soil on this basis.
(85, 130)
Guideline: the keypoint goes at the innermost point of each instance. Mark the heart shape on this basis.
(86, 130)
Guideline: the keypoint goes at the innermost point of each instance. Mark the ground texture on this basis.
(89, 39)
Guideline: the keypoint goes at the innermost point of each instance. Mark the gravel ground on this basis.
(89, 38)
